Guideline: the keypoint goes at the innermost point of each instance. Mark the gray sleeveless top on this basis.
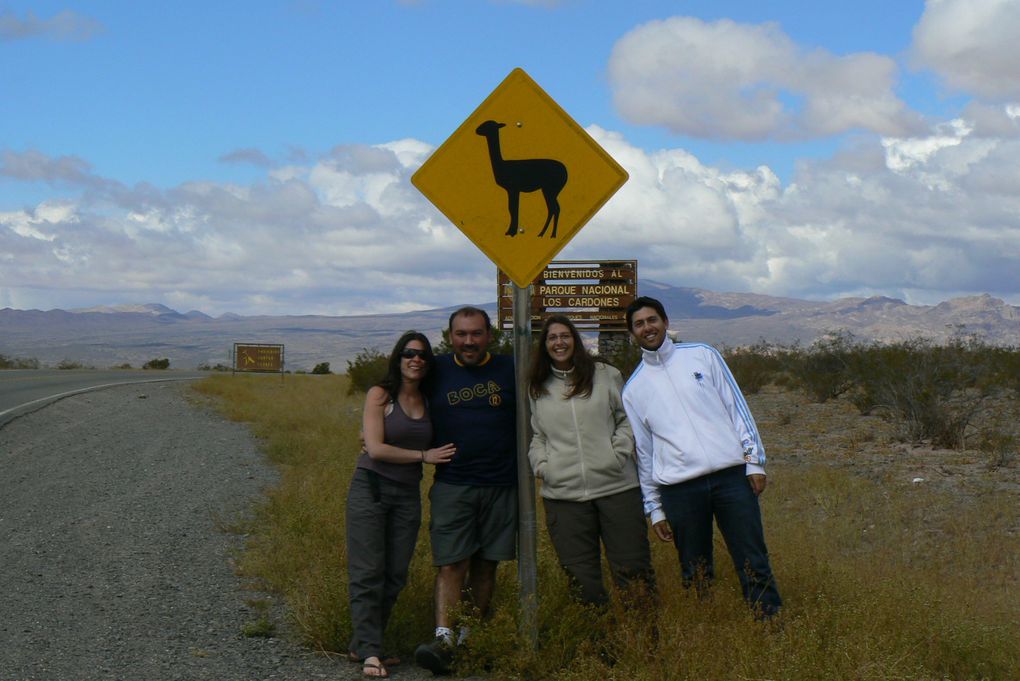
(400, 430)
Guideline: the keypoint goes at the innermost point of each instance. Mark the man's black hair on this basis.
(469, 311)
(645, 301)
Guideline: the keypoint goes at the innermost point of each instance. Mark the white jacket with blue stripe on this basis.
(689, 419)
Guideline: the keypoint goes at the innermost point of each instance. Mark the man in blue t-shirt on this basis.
(473, 499)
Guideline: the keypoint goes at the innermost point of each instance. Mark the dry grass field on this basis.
(895, 560)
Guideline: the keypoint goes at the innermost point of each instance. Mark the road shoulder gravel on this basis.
(112, 549)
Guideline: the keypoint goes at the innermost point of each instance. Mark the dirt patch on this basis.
(796, 430)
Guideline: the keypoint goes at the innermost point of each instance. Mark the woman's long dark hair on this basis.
(541, 364)
(393, 379)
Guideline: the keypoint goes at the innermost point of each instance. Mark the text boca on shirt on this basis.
(487, 391)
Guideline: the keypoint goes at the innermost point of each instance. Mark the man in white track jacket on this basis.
(699, 456)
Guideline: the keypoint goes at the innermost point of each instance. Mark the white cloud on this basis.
(726, 80)
(902, 154)
(254, 157)
(919, 218)
(993, 121)
(971, 44)
(345, 234)
(34, 166)
(66, 25)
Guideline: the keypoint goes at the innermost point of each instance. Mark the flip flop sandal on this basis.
(387, 660)
(379, 671)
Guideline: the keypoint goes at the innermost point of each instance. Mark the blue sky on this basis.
(255, 157)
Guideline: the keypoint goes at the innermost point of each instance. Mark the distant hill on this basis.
(134, 334)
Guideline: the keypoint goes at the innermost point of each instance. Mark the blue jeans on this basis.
(725, 495)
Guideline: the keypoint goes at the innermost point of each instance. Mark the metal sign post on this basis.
(527, 533)
(520, 178)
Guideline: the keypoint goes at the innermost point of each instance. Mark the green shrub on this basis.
(756, 366)
(321, 369)
(16, 363)
(824, 371)
(626, 357)
(1002, 366)
(157, 364)
(69, 364)
(219, 366)
(367, 369)
(934, 391)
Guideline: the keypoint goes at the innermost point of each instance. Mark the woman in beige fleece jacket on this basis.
(583, 451)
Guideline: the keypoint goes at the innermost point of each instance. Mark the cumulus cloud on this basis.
(920, 218)
(249, 156)
(63, 26)
(971, 45)
(993, 121)
(343, 234)
(727, 80)
(34, 166)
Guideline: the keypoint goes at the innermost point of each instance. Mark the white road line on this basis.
(55, 398)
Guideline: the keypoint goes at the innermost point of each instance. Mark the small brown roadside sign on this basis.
(258, 357)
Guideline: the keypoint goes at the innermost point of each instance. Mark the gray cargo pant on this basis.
(617, 521)
(383, 518)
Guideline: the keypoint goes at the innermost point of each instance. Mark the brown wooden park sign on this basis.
(258, 357)
(592, 294)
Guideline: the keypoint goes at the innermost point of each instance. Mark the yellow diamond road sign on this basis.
(519, 177)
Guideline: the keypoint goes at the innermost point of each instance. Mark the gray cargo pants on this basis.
(383, 518)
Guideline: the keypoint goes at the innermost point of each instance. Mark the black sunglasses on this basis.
(408, 353)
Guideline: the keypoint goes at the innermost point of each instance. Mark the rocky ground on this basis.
(113, 551)
(797, 430)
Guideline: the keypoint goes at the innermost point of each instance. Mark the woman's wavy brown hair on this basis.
(541, 364)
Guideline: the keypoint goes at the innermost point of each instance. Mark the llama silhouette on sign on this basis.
(525, 175)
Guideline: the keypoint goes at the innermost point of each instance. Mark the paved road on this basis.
(23, 391)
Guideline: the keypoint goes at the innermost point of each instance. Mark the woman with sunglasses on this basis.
(384, 503)
(583, 451)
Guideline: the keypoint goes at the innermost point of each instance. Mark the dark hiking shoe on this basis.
(436, 656)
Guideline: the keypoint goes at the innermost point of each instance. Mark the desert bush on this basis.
(934, 391)
(157, 364)
(757, 365)
(17, 363)
(366, 369)
(321, 369)
(219, 366)
(824, 370)
(625, 357)
(69, 364)
(1002, 447)
(1003, 366)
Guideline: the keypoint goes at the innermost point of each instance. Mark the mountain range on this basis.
(135, 334)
